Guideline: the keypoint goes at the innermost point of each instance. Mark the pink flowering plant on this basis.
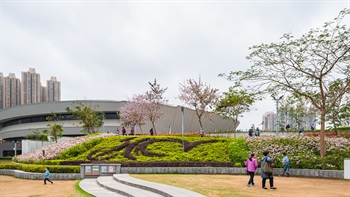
(54, 150)
(303, 152)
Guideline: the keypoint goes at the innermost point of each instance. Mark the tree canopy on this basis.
(90, 118)
(234, 103)
(304, 66)
(200, 96)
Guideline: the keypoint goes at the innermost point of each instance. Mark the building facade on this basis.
(31, 87)
(10, 91)
(269, 121)
(14, 91)
(53, 90)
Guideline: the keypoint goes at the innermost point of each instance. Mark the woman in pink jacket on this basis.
(252, 165)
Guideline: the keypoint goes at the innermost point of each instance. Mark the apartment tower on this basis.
(31, 87)
(10, 91)
(53, 90)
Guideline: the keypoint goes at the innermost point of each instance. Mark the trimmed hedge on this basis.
(39, 168)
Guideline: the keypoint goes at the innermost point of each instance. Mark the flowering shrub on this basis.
(53, 150)
(303, 152)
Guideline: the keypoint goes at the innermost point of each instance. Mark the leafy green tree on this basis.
(305, 66)
(37, 135)
(340, 114)
(55, 129)
(90, 118)
(234, 103)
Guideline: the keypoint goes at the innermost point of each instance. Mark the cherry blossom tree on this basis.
(153, 100)
(200, 96)
(133, 112)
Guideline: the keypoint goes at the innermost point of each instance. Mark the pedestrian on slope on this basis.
(47, 176)
(286, 164)
(265, 176)
(252, 165)
(151, 131)
(123, 131)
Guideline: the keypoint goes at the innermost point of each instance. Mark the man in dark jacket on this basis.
(265, 176)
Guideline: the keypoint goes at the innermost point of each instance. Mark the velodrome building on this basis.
(19, 121)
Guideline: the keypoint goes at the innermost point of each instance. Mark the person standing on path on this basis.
(265, 176)
(47, 176)
(286, 164)
(252, 165)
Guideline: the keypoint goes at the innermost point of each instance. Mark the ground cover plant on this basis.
(191, 151)
(303, 152)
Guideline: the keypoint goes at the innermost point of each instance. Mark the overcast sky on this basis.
(110, 50)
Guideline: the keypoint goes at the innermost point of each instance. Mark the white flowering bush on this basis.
(303, 152)
(52, 151)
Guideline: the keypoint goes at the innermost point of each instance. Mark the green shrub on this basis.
(40, 168)
(238, 151)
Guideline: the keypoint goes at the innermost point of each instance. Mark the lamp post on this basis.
(277, 101)
(183, 126)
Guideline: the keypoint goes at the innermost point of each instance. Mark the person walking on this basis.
(250, 132)
(123, 131)
(47, 176)
(265, 176)
(151, 131)
(252, 165)
(257, 131)
(286, 164)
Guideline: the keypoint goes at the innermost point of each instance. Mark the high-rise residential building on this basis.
(31, 87)
(269, 119)
(53, 90)
(10, 89)
(14, 92)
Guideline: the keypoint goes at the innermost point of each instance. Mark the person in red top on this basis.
(252, 165)
(132, 132)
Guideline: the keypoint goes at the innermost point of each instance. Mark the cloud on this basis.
(111, 50)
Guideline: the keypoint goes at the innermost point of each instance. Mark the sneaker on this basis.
(264, 188)
(249, 185)
(273, 188)
(252, 184)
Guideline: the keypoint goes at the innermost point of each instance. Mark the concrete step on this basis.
(92, 187)
(109, 183)
(162, 189)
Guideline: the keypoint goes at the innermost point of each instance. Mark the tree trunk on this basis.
(323, 120)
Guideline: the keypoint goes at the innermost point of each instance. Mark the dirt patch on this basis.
(209, 185)
(236, 185)
(15, 187)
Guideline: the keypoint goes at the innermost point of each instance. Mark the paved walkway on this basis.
(125, 185)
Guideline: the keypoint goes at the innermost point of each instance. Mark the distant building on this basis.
(31, 87)
(14, 91)
(10, 88)
(53, 90)
(269, 123)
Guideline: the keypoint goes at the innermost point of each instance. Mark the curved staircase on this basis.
(124, 185)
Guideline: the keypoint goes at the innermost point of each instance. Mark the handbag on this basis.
(267, 168)
(246, 171)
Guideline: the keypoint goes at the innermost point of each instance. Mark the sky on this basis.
(110, 50)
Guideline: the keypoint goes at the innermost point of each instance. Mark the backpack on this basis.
(266, 168)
